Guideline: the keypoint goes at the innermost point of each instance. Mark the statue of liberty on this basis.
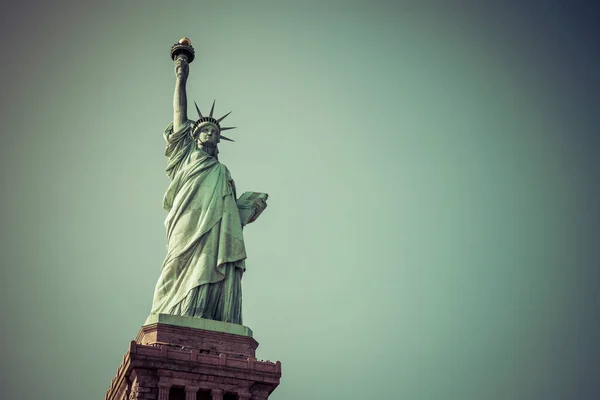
(201, 274)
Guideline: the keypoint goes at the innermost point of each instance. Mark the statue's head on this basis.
(207, 134)
(207, 131)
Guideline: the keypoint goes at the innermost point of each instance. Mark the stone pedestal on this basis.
(183, 358)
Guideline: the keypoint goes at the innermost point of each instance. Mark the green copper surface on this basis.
(198, 323)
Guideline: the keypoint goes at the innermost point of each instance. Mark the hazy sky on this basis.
(433, 171)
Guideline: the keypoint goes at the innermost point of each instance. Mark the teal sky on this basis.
(432, 229)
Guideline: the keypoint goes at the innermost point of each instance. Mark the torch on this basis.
(183, 47)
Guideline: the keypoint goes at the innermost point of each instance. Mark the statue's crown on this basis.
(211, 120)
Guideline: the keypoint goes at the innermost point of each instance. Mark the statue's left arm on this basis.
(246, 215)
(232, 186)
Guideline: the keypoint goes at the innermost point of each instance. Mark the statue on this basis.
(201, 274)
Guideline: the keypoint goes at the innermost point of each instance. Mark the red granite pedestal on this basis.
(182, 358)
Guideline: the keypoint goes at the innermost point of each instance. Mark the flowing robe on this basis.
(201, 274)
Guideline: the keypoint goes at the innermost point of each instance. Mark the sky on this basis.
(433, 177)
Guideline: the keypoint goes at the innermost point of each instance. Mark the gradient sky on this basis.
(433, 170)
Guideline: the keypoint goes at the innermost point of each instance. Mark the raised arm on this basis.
(180, 97)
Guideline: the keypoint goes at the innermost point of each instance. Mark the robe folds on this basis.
(201, 274)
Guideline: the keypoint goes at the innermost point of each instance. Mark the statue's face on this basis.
(209, 135)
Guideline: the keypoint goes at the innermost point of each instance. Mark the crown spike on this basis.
(198, 109)
(226, 138)
(223, 117)
(212, 109)
(226, 128)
